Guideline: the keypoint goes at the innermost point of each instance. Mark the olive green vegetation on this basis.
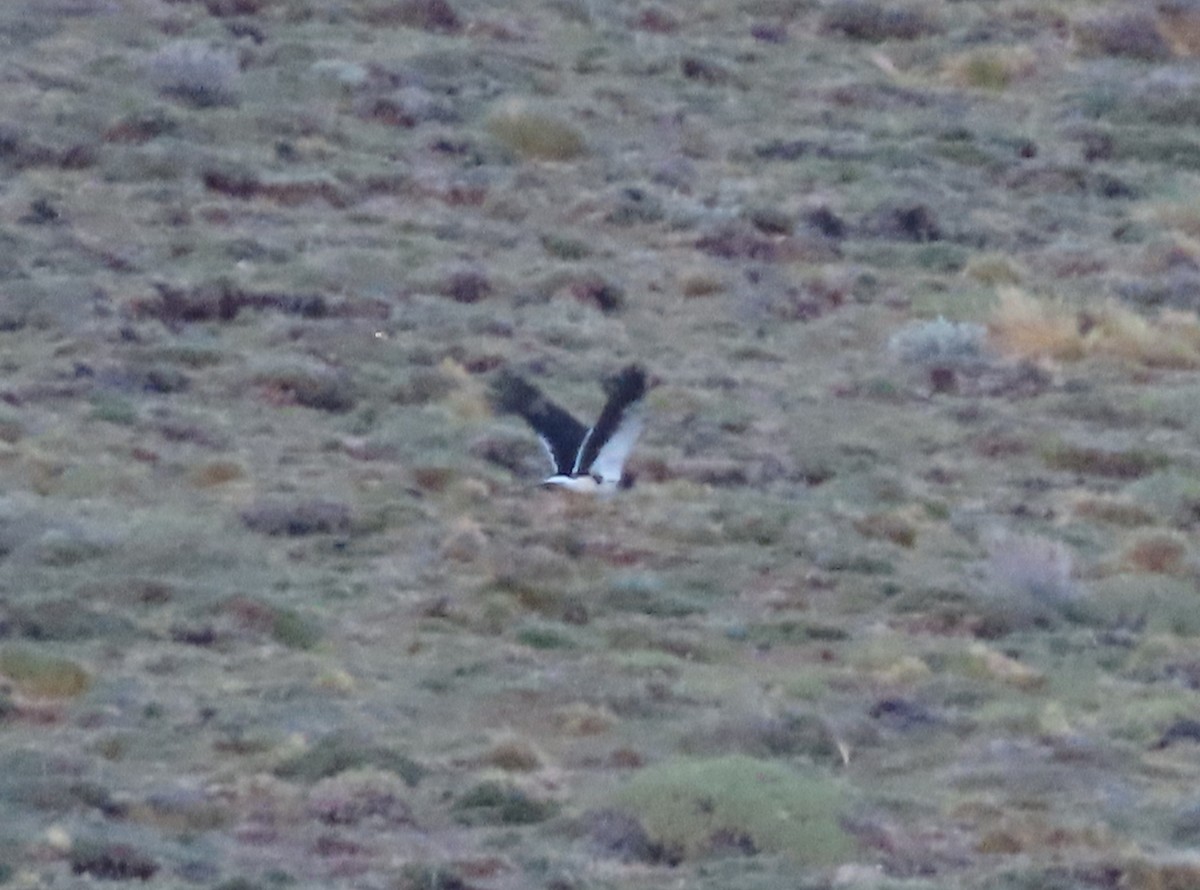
(697, 806)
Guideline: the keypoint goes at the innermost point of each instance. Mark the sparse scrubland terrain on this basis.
(905, 596)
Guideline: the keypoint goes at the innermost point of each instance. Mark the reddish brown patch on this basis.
(483, 867)
(482, 364)
(595, 291)
(1156, 554)
(433, 479)
(656, 21)
(427, 15)
(245, 187)
(250, 614)
(943, 380)
(451, 192)
(390, 113)
(231, 184)
(940, 624)
(626, 758)
(618, 555)
(998, 445)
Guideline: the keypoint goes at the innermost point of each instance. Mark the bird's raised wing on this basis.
(609, 442)
(560, 433)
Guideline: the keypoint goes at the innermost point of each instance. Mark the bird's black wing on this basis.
(561, 434)
(617, 424)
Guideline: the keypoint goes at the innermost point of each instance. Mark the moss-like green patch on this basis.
(493, 803)
(530, 133)
(543, 637)
(45, 676)
(342, 751)
(114, 409)
(294, 630)
(703, 806)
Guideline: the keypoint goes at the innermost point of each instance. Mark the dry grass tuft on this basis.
(535, 135)
(993, 269)
(894, 527)
(1179, 24)
(1025, 326)
(1028, 836)
(583, 719)
(465, 542)
(1172, 340)
(215, 473)
(514, 755)
(702, 283)
(1114, 511)
(1173, 873)
(1130, 464)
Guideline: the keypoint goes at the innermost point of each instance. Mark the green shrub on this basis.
(701, 806)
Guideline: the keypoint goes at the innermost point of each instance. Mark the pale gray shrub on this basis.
(1041, 567)
(938, 342)
(1028, 581)
(196, 72)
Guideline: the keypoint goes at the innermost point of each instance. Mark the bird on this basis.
(585, 459)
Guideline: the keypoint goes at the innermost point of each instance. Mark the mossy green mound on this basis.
(703, 806)
(42, 676)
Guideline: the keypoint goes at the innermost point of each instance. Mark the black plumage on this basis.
(575, 449)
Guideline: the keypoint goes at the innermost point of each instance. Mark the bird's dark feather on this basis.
(624, 389)
(561, 432)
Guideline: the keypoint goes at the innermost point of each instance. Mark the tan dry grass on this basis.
(1024, 326)
(993, 270)
(1183, 218)
(535, 134)
(1172, 340)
